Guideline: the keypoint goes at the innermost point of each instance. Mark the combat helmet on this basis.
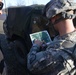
(55, 7)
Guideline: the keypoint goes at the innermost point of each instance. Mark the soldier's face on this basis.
(53, 20)
(0, 9)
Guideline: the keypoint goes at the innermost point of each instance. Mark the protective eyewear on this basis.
(1, 5)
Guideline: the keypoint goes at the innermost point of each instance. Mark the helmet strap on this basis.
(64, 15)
(55, 32)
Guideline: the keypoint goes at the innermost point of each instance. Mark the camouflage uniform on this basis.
(54, 60)
(59, 58)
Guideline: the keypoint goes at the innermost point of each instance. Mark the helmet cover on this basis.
(55, 7)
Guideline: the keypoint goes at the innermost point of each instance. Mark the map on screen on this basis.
(42, 36)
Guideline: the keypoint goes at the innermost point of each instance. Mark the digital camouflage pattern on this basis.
(56, 59)
(57, 6)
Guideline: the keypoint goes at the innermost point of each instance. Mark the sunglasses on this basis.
(1, 5)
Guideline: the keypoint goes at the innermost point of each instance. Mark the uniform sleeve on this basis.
(41, 61)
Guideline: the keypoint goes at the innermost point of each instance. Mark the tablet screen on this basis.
(42, 36)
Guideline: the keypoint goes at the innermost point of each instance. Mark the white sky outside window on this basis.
(10, 3)
(15, 3)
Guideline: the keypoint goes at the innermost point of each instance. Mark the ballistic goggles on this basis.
(1, 5)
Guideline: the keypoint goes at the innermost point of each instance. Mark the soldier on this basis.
(2, 61)
(1, 6)
(59, 56)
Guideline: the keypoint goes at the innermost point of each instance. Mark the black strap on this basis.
(64, 15)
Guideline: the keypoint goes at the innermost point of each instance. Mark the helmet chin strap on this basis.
(68, 15)
(64, 15)
(55, 32)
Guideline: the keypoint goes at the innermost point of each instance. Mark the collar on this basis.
(67, 36)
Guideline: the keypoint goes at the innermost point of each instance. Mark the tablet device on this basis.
(42, 36)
